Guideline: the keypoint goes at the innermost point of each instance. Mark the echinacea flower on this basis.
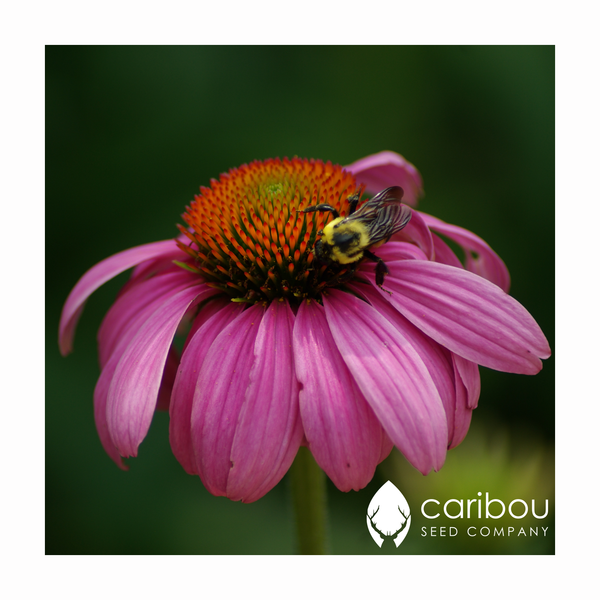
(282, 350)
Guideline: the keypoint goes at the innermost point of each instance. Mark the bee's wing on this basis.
(390, 220)
(384, 214)
(391, 195)
(370, 209)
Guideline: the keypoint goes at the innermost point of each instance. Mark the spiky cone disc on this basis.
(248, 237)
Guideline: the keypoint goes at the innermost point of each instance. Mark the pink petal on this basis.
(487, 264)
(269, 428)
(211, 308)
(393, 378)
(385, 169)
(467, 314)
(168, 380)
(100, 397)
(444, 254)
(134, 387)
(469, 375)
(417, 232)
(147, 268)
(119, 327)
(386, 447)
(461, 419)
(211, 320)
(344, 434)
(437, 359)
(394, 251)
(219, 397)
(94, 278)
(129, 310)
(150, 268)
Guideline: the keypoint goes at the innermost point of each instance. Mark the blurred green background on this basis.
(131, 134)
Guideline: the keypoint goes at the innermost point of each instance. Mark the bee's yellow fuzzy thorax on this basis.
(353, 252)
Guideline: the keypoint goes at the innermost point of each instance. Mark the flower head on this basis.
(284, 349)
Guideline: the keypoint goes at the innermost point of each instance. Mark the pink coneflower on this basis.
(283, 350)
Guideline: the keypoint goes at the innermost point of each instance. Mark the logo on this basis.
(388, 516)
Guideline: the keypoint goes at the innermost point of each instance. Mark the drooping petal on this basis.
(469, 374)
(130, 308)
(134, 387)
(147, 268)
(417, 232)
(444, 254)
(120, 326)
(219, 397)
(386, 447)
(209, 323)
(461, 419)
(467, 314)
(153, 268)
(393, 378)
(269, 428)
(100, 417)
(385, 169)
(437, 359)
(95, 277)
(344, 435)
(168, 380)
(100, 397)
(485, 263)
(212, 307)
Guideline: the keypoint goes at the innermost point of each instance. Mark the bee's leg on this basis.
(322, 208)
(381, 269)
(353, 202)
(347, 275)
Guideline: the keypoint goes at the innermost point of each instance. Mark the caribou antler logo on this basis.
(389, 535)
(394, 517)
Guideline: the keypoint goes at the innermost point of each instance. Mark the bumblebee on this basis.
(349, 239)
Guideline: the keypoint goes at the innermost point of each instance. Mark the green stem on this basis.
(310, 503)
